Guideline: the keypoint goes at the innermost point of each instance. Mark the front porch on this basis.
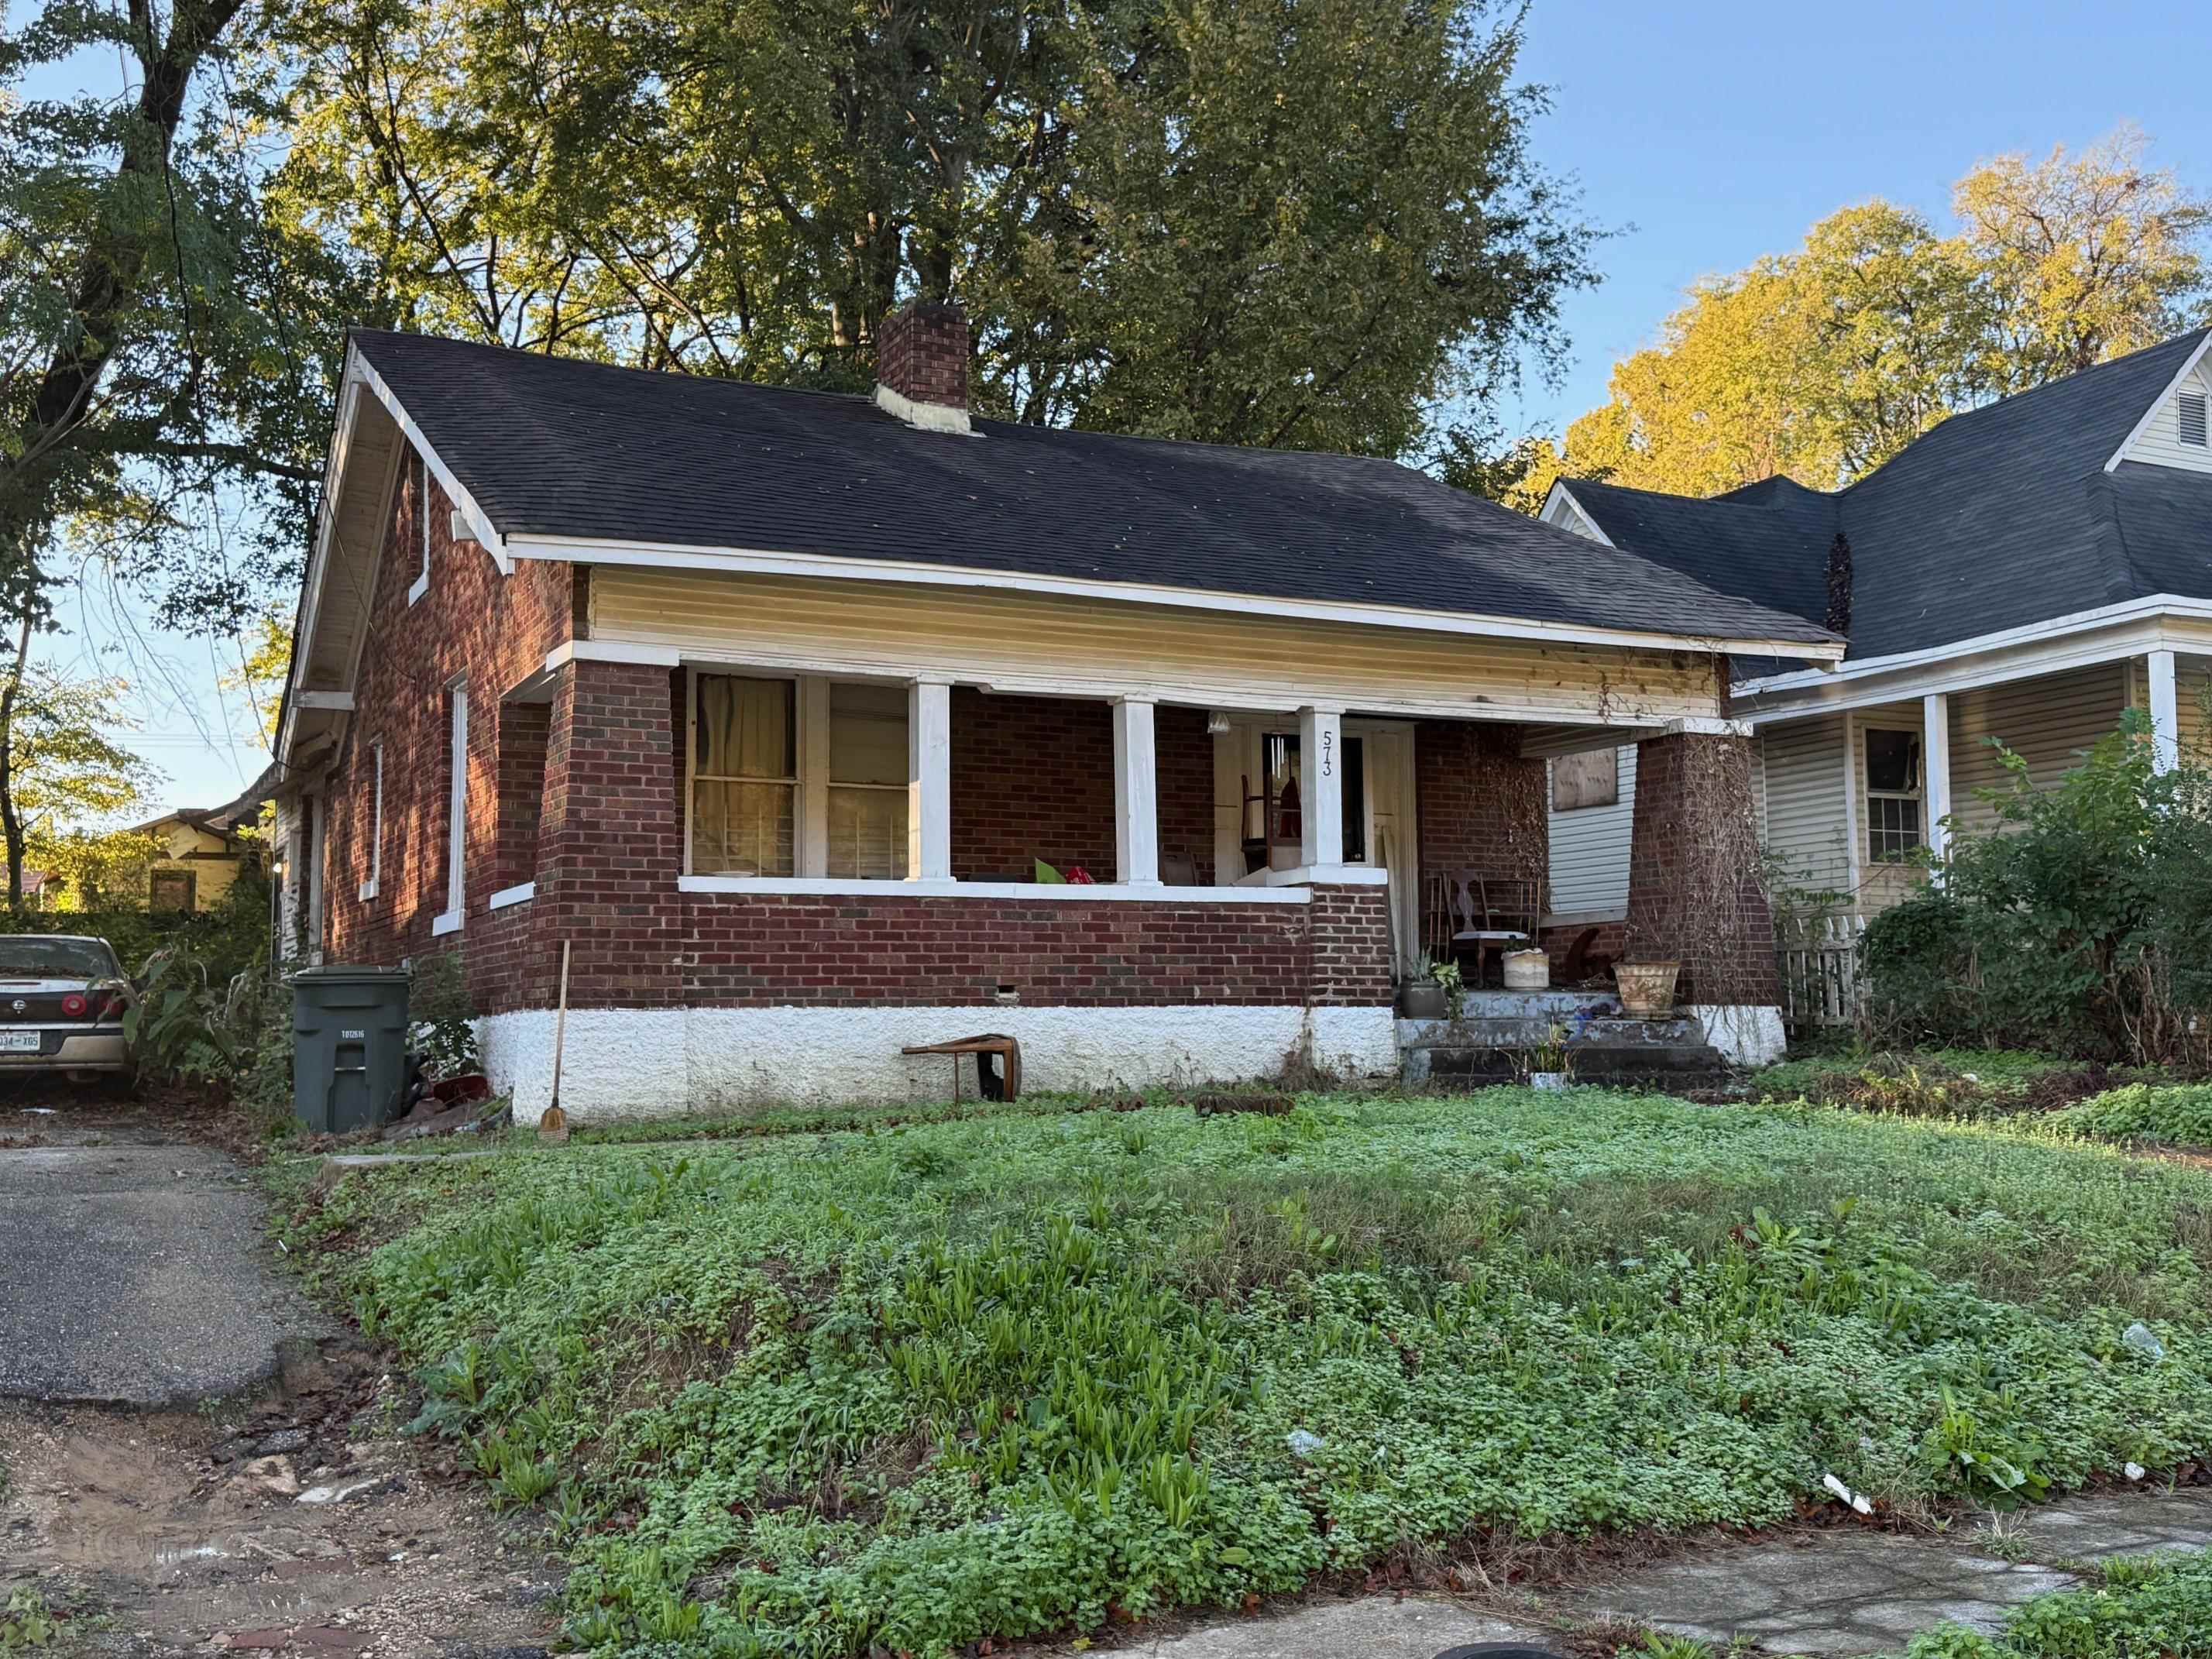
(817, 871)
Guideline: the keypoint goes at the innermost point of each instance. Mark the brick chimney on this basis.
(921, 365)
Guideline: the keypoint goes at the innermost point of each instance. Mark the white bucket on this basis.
(1527, 970)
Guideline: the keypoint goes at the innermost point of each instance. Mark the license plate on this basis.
(19, 1042)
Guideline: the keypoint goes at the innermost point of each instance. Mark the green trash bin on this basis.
(349, 1047)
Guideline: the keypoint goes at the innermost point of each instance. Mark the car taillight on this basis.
(74, 1004)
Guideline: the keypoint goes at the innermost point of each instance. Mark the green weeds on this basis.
(902, 1388)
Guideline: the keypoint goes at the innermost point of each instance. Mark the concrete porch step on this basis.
(1533, 1030)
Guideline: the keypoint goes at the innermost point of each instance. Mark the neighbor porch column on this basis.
(929, 780)
(2165, 712)
(1136, 795)
(1321, 782)
(1935, 767)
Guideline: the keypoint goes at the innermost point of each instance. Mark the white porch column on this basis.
(1320, 782)
(1936, 764)
(814, 777)
(2165, 712)
(929, 780)
(1136, 795)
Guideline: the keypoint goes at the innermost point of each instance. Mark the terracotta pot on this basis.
(1422, 998)
(1527, 970)
(1647, 989)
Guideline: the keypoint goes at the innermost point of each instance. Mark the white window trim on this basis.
(521, 894)
(457, 809)
(1918, 795)
(368, 889)
(809, 785)
(422, 583)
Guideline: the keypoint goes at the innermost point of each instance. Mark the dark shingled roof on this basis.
(556, 447)
(1999, 517)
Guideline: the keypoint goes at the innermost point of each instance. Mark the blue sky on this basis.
(1722, 130)
(1718, 131)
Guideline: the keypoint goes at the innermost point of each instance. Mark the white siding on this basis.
(2048, 722)
(2160, 443)
(1803, 763)
(1589, 851)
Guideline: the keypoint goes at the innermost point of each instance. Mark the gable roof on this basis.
(1997, 518)
(567, 452)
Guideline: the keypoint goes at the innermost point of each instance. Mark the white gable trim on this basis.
(357, 367)
(1559, 492)
(2149, 414)
(763, 561)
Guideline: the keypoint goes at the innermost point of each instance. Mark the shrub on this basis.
(2082, 921)
(2180, 1115)
(441, 1019)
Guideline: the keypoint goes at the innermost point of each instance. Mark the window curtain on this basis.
(745, 732)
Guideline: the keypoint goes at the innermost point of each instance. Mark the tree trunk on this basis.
(11, 820)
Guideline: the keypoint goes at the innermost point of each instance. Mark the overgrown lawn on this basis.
(902, 1388)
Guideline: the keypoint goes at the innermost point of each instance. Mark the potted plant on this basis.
(1647, 989)
(1447, 975)
(1549, 1064)
(1422, 996)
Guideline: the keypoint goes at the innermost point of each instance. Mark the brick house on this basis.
(779, 708)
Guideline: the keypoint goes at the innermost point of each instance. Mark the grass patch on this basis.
(906, 1387)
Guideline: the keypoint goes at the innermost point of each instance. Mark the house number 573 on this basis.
(1329, 754)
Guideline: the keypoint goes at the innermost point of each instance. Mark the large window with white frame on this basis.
(1894, 815)
(798, 776)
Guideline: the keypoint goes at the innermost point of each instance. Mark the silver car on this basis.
(62, 997)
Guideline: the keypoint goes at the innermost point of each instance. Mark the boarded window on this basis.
(169, 890)
(1591, 780)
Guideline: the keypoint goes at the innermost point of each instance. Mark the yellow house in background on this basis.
(201, 851)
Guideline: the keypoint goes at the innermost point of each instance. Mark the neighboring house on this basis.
(765, 706)
(2024, 572)
(201, 850)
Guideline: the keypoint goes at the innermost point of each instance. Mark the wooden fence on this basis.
(1819, 962)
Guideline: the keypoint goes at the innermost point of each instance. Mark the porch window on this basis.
(867, 797)
(745, 779)
(1893, 792)
(771, 757)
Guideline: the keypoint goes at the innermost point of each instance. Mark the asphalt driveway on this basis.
(134, 1265)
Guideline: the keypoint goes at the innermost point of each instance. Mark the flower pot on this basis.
(1422, 998)
(1527, 970)
(1647, 989)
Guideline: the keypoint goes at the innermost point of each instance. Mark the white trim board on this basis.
(1024, 892)
(764, 562)
(2110, 633)
(1559, 491)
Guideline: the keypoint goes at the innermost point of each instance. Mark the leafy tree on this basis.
(67, 772)
(1823, 363)
(1273, 223)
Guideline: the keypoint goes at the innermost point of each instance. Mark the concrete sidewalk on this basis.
(134, 1270)
(1829, 1594)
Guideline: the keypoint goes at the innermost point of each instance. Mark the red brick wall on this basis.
(491, 632)
(1693, 886)
(922, 352)
(1481, 804)
(1351, 933)
(1033, 778)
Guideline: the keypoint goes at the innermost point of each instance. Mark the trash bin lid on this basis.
(341, 973)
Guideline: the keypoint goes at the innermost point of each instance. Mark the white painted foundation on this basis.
(1746, 1033)
(650, 1062)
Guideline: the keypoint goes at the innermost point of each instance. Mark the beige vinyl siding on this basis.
(1802, 763)
(2160, 443)
(1589, 851)
(1085, 647)
(2048, 722)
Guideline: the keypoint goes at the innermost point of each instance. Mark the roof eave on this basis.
(785, 563)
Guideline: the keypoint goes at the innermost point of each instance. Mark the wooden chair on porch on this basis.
(1490, 914)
